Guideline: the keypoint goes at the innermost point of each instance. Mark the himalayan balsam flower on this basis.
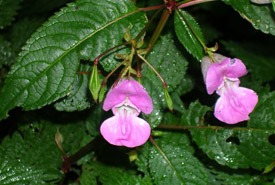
(235, 103)
(125, 128)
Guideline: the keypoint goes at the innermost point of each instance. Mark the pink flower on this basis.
(235, 103)
(125, 128)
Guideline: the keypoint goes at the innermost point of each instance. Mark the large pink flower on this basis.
(235, 103)
(125, 128)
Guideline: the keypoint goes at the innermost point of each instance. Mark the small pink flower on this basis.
(235, 103)
(125, 128)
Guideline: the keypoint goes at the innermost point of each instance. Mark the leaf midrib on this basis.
(170, 164)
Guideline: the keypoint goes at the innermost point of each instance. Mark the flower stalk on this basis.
(164, 18)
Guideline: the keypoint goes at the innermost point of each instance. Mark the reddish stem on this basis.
(68, 161)
(82, 72)
(96, 60)
(191, 3)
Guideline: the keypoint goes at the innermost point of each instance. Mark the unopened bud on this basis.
(127, 35)
(168, 100)
(140, 42)
(157, 133)
(269, 168)
(94, 84)
(58, 137)
(132, 155)
(101, 94)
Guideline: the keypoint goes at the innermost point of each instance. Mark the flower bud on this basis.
(94, 84)
(58, 137)
(168, 100)
(269, 168)
(101, 94)
(132, 155)
(140, 42)
(127, 35)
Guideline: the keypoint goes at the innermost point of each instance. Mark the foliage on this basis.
(235, 147)
(171, 64)
(47, 52)
(261, 17)
(184, 23)
(8, 10)
(26, 159)
(76, 34)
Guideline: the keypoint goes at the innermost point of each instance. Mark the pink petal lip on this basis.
(134, 91)
(235, 105)
(125, 129)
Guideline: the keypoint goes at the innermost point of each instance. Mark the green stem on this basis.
(131, 13)
(164, 17)
(148, 24)
(138, 69)
(96, 60)
(106, 78)
(180, 127)
(120, 75)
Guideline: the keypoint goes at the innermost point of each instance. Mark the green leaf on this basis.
(216, 174)
(78, 129)
(142, 162)
(111, 175)
(46, 68)
(273, 4)
(8, 10)
(186, 86)
(219, 175)
(94, 120)
(172, 66)
(177, 164)
(260, 16)
(31, 158)
(258, 57)
(88, 177)
(78, 98)
(183, 21)
(5, 52)
(263, 115)
(239, 147)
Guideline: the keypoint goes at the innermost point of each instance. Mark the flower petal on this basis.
(214, 77)
(206, 62)
(233, 68)
(134, 91)
(140, 98)
(116, 95)
(125, 130)
(235, 105)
